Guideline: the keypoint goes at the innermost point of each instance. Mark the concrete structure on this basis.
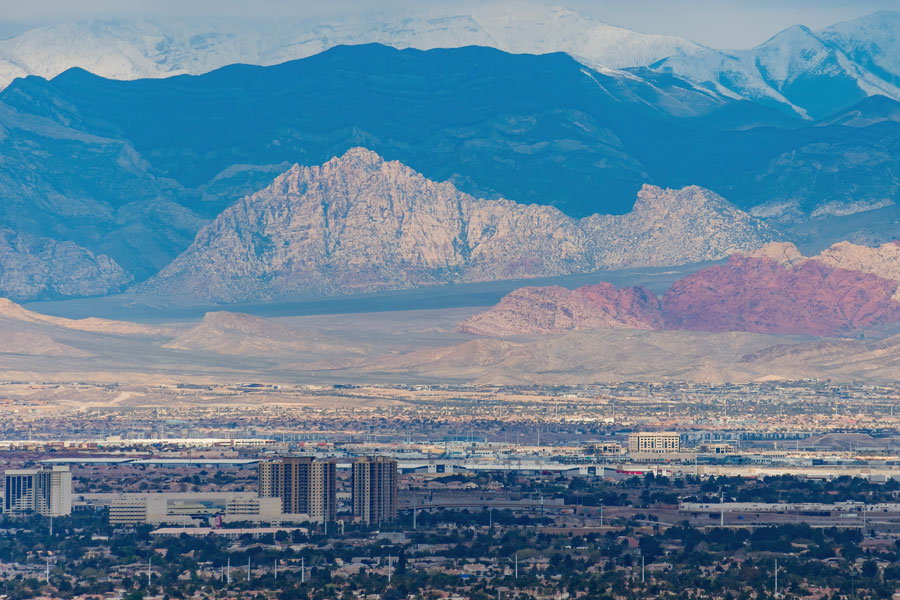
(201, 532)
(606, 448)
(46, 492)
(304, 485)
(717, 448)
(189, 508)
(848, 507)
(374, 489)
(654, 442)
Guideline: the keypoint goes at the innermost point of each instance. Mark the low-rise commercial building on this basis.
(190, 508)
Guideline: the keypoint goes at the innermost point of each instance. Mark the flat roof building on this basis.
(654, 442)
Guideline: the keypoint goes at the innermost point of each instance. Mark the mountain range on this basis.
(128, 172)
(133, 49)
(812, 74)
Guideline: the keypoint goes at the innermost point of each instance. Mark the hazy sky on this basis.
(717, 23)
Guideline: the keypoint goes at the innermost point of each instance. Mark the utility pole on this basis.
(149, 572)
(276, 569)
(517, 565)
(415, 514)
(390, 569)
(248, 570)
(642, 570)
(228, 572)
(776, 578)
(48, 569)
(302, 569)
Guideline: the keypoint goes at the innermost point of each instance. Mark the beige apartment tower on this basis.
(305, 486)
(654, 442)
(374, 489)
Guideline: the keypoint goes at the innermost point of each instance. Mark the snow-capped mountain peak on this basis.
(814, 74)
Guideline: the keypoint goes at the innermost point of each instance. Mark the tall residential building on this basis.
(269, 473)
(654, 441)
(46, 492)
(305, 485)
(19, 494)
(374, 489)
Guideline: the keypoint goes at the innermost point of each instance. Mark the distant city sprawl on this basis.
(348, 491)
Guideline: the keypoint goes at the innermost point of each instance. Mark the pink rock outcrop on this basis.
(772, 290)
(555, 309)
(761, 295)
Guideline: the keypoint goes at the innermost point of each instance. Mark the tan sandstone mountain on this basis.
(240, 334)
(360, 224)
(10, 311)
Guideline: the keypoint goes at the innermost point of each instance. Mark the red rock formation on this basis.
(556, 309)
(758, 294)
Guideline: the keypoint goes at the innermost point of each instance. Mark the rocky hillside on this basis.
(670, 227)
(774, 289)
(33, 267)
(11, 312)
(763, 296)
(361, 224)
(240, 334)
(556, 309)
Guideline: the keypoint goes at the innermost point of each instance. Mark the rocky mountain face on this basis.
(774, 289)
(33, 267)
(760, 295)
(361, 224)
(670, 227)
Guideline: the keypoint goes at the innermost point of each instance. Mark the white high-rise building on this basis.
(46, 492)
(54, 492)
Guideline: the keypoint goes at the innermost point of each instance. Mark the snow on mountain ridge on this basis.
(132, 48)
(812, 73)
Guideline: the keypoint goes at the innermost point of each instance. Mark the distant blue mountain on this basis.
(131, 169)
